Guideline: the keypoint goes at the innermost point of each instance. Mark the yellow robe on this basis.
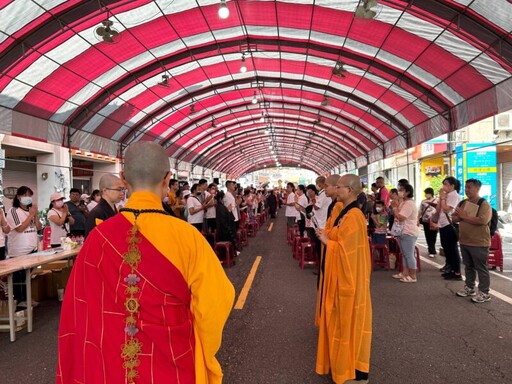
(212, 292)
(345, 326)
(328, 226)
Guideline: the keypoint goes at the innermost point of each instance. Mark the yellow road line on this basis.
(270, 226)
(247, 286)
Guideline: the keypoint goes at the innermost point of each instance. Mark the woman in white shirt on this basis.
(5, 231)
(406, 215)
(60, 219)
(24, 223)
(195, 209)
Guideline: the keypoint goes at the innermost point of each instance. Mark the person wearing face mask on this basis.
(24, 223)
(380, 220)
(147, 297)
(60, 219)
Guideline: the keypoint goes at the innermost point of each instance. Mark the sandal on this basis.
(408, 279)
(398, 276)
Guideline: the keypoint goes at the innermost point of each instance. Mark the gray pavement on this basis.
(423, 333)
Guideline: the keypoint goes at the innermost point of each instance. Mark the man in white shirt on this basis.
(291, 212)
(195, 208)
(230, 201)
(322, 203)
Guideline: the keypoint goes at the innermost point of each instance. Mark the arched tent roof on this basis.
(329, 88)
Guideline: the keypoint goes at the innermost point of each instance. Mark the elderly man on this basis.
(111, 190)
(345, 324)
(147, 298)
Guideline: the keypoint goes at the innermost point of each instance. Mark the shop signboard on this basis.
(478, 161)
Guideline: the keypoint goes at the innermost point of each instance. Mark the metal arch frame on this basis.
(224, 158)
(234, 163)
(256, 140)
(344, 131)
(281, 133)
(216, 161)
(156, 66)
(196, 95)
(43, 31)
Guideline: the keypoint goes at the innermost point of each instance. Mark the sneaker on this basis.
(237, 253)
(432, 255)
(466, 292)
(446, 268)
(481, 298)
(408, 279)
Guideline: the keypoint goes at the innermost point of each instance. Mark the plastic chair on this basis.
(380, 255)
(225, 252)
(495, 259)
(297, 246)
(307, 254)
(47, 237)
(252, 228)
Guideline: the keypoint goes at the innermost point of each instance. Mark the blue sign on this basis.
(478, 161)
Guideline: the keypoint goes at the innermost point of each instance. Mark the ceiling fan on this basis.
(165, 81)
(339, 70)
(106, 33)
(368, 9)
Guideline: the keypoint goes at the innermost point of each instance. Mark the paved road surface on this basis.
(423, 333)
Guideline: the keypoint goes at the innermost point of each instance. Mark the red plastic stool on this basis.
(307, 254)
(380, 255)
(297, 246)
(225, 248)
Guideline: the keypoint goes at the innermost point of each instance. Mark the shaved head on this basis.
(109, 180)
(146, 165)
(332, 180)
(352, 181)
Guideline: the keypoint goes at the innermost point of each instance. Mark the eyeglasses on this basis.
(116, 189)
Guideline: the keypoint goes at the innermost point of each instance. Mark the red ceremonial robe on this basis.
(92, 324)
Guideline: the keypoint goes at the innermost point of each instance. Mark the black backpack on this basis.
(493, 224)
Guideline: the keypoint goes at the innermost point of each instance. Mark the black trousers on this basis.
(431, 237)
(450, 243)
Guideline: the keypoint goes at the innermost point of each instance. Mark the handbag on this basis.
(397, 229)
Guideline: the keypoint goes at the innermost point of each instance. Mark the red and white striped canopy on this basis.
(323, 88)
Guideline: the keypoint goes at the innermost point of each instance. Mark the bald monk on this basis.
(333, 211)
(111, 191)
(147, 298)
(345, 326)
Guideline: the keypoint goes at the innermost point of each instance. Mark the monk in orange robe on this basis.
(345, 326)
(332, 213)
(147, 298)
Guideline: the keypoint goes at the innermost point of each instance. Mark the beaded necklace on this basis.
(132, 347)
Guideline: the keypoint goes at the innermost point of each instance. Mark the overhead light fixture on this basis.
(254, 98)
(223, 10)
(243, 67)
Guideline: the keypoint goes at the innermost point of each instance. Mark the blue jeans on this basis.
(407, 243)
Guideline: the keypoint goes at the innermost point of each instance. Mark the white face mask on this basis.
(378, 209)
(58, 204)
(26, 200)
